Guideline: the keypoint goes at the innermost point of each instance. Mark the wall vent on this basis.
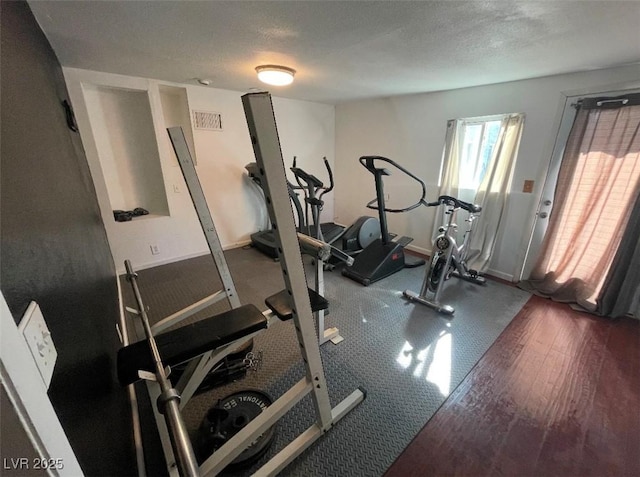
(207, 120)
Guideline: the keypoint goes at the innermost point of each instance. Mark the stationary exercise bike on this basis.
(448, 258)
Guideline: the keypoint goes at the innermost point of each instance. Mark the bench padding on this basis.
(189, 341)
(280, 303)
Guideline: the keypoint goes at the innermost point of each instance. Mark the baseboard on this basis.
(419, 250)
(241, 243)
(157, 263)
(498, 274)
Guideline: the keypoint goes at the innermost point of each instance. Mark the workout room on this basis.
(320, 238)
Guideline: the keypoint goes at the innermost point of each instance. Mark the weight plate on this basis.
(230, 415)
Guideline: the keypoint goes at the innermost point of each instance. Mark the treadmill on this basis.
(264, 240)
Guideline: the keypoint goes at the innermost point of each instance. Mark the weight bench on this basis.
(281, 304)
(189, 341)
(202, 344)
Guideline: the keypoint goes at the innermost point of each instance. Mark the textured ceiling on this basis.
(343, 50)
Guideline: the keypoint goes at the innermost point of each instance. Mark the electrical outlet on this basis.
(155, 250)
(38, 338)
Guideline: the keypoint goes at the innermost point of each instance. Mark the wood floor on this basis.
(558, 394)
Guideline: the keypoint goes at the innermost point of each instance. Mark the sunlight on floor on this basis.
(433, 362)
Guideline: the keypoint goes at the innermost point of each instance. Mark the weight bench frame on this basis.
(266, 145)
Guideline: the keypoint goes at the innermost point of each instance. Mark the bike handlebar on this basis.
(452, 201)
(369, 163)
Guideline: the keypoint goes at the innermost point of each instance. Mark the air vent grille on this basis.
(207, 120)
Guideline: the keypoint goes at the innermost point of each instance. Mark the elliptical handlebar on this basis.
(369, 163)
(453, 202)
(311, 180)
(330, 172)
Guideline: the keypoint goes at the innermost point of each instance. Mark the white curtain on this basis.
(450, 175)
(493, 191)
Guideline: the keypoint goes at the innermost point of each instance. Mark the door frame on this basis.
(27, 393)
(563, 122)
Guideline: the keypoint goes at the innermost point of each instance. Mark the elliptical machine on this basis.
(383, 256)
(448, 258)
(350, 240)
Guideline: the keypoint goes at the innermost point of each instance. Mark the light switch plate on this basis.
(527, 188)
(38, 338)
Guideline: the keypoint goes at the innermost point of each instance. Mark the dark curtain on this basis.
(621, 290)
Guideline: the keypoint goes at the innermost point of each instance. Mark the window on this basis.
(478, 163)
(478, 140)
(478, 136)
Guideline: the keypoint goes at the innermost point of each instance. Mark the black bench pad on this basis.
(189, 341)
(280, 303)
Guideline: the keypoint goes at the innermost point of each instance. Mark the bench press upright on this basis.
(266, 146)
(264, 137)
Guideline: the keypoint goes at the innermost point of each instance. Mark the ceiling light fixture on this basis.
(275, 75)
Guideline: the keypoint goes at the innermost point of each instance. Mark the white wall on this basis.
(410, 130)
(306, 129)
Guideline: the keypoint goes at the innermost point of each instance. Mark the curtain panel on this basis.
(450, 174)
(597, 187)
(493, 191)
(621, 291)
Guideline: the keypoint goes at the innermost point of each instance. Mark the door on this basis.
(547, 197)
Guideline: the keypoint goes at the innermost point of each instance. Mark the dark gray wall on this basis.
(54, 248)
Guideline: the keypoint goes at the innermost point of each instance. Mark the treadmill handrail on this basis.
(369, 163)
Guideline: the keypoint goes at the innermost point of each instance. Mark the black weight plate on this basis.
(227, 418)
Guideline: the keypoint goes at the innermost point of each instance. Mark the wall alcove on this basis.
(122, 126)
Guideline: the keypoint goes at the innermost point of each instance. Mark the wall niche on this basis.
(122, 125)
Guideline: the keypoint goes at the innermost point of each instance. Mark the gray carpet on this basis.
(406, 356)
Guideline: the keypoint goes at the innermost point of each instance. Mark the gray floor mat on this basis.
(406, 356)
